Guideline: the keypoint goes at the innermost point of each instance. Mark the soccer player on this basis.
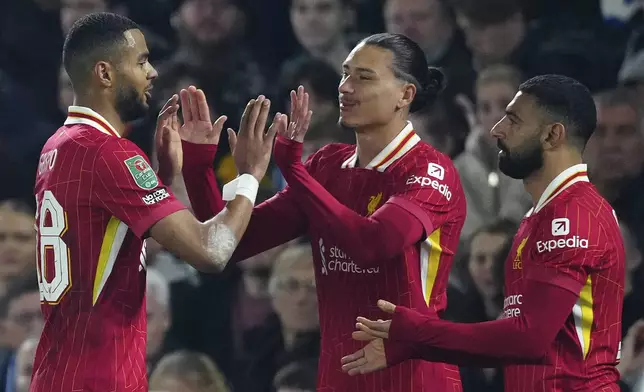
(98, 199)
(564, 277)
(384, 216)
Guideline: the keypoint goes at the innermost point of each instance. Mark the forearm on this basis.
(274, 222)
(397, 352)
(365, 239)
(200, 180)
(221, 234)
(522, 338)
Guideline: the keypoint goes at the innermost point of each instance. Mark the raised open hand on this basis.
(251, 147)
(197, 127)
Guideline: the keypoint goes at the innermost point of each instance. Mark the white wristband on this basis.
(245, 185)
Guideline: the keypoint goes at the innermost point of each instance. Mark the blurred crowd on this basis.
(255, 327)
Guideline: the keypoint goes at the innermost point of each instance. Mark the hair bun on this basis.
(436, 81)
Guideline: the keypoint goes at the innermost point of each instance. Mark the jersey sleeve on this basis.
(570, 243)
(431, 191)
(126, 185)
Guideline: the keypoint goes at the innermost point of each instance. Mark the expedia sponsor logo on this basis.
(562, 243)
(430, 182)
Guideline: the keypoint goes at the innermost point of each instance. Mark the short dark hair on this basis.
(410, 65)
(566, 101)
(620, 96)
(301, 375)
(321, 76)
(93, 37)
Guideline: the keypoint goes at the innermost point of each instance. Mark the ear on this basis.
(408, 94)
(104, 73)
(555, 136)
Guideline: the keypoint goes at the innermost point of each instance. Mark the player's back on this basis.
(573, 242)
(91, 267)
(417, 277)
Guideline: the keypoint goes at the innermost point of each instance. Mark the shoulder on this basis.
(331, 155)
(427, 162)
(580, 215)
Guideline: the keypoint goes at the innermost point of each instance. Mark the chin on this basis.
(348, 123)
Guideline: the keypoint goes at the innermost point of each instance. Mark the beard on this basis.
(522, 162)
(129, 104)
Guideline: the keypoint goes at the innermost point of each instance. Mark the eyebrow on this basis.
(359, 69)
(143, 56)
(510, 113)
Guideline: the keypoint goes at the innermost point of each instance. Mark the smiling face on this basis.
(369, 91)
(518, 136)
(134, 77)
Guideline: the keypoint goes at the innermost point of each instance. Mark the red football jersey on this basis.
(571, 239)
(97, 196)
(422, 180)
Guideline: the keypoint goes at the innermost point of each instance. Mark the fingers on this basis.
(201, 105)
(353, 357)
(194, 109)
(185, 105)
(170, 107)
(218, 125)
(373, 330)
(362, 336)
(293, 104)
(232, 140)
(386, 306)
(262, 118)
(246, 116)
(277, 127)
(354, 367)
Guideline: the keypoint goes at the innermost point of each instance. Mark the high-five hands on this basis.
(251, 146)
(373, 356)
(196, 128)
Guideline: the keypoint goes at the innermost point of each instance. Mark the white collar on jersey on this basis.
(568, 177)
(86, 116)
(402, 143)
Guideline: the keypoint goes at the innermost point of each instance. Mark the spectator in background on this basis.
(631, 73)
(432, 25)
(320, 27)
(212, 46)
(300, 376)
(72, 10)
(158, 312)
(444, 126)
(293, 333)
(633, 308)
(20, 318)
(185, 371)
(482, 299)
(495, 30)
(321, 82)
(615, 153)
(17, 242)
(615, 159)
(25, 363)
(490, 194)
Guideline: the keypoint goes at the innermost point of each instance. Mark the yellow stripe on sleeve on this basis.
(433, 262)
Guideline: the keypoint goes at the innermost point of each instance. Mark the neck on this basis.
(537, 183)
(373, 139)
(105, 109)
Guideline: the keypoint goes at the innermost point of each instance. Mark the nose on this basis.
(345, 86)
(153, 73)
(496, 130)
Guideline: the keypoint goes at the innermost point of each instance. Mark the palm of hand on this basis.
(199, 132)
(374, 353)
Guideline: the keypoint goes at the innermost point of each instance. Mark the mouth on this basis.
(148, 93)
(347, 105)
